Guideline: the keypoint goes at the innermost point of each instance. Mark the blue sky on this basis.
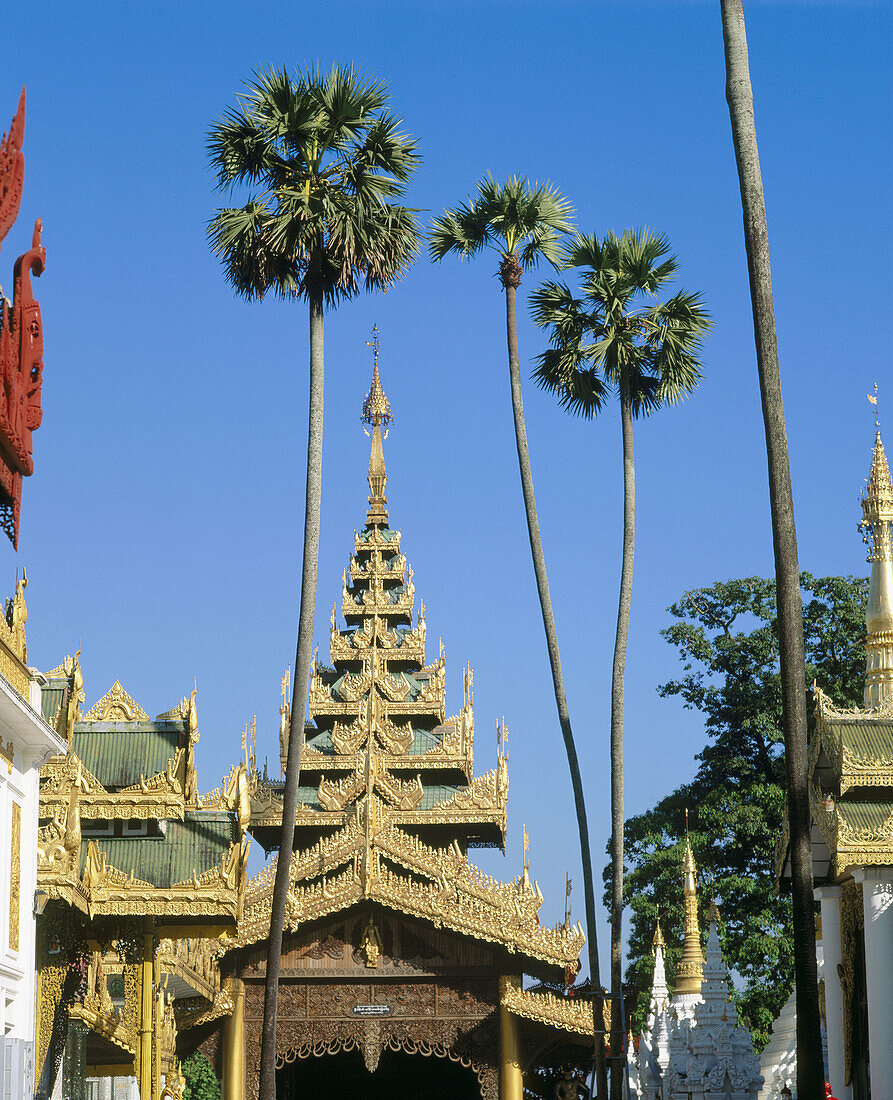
(161, 530)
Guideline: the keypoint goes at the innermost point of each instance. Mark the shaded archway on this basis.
(407, 1076)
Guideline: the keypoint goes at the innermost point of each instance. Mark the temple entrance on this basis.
(399, 1075)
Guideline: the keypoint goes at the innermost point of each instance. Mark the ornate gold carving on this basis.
(7, 751)
(15, 875)
(13, 644)
(567, 1013)
(116, 706)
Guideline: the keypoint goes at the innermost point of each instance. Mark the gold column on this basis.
(511, 1079)
(234, 1044)
(147, 976)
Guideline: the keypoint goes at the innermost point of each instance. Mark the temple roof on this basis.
(195, 844)
(119, 753)
(388, 802)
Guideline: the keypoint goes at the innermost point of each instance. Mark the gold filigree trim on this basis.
(116, 706)
(546, 1008)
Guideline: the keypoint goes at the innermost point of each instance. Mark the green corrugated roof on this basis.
(118, 753)
(197, 843)
(51, 699)
(865, 815)
(868, 740)
(437, 793)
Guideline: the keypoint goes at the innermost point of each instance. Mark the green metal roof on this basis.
(197, 843)
(867, 739)
(51, 699)
(871, 816)
(119, 753)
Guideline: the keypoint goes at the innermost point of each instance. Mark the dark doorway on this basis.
(398, 1077)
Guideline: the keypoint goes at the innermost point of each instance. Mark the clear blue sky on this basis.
(161, 529)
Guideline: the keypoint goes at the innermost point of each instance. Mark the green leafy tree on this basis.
(524, 224)
(324, 163)
(727, 638)
(739, 96)
(201, 1081)
(617, 339)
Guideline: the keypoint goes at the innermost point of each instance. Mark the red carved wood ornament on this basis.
(21, 338)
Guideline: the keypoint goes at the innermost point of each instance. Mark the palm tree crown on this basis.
(523, 222)
(325, 162)
(611, 335)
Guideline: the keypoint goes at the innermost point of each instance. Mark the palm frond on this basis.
(522, 220)
(653, 348)
(328, 161)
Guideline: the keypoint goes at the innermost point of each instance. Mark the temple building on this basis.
(691, 1048)
(851, 793)
(137, 878)
(26, 742)
(396, 945)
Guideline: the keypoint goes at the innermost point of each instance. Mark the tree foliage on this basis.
(201, 1081)
(727, 640)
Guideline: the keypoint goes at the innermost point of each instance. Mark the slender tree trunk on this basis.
(303, 659)
(542, 585)
(810, 1074)
(618, 1039)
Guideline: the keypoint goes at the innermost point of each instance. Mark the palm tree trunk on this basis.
(542, 585)
(303, 658)
(618, 1039)
(810, 1075)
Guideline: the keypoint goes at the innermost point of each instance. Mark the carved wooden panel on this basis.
(455, 1019)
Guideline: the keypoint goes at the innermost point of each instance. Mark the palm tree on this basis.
(524, 224)
(614, 339)
(324, 162)
(739, 95)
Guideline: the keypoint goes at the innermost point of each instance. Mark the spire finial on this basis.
(376, 407)
(690, 970)
(877, 531)
(873, 399)
(658, 940)
(377, 415)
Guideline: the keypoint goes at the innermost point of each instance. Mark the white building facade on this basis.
(26, 742)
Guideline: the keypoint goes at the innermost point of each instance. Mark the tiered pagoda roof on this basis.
(389, 805)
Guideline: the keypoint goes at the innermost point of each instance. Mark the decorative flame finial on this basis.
(377, 415)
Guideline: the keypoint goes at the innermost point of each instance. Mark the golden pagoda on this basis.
(690, 968)
(395, 942)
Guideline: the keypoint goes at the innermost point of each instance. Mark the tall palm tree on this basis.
(324, 162)
(524, 224)
(739, 95)
(615, 339)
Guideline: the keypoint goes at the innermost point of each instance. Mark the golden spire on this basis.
(877, 517)
(658, 940)
(377, 415)
(690, 970)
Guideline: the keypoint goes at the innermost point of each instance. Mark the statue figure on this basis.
(371, 943)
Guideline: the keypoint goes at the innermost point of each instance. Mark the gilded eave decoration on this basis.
(404, 874)
(159, 797)
(567, 1013)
